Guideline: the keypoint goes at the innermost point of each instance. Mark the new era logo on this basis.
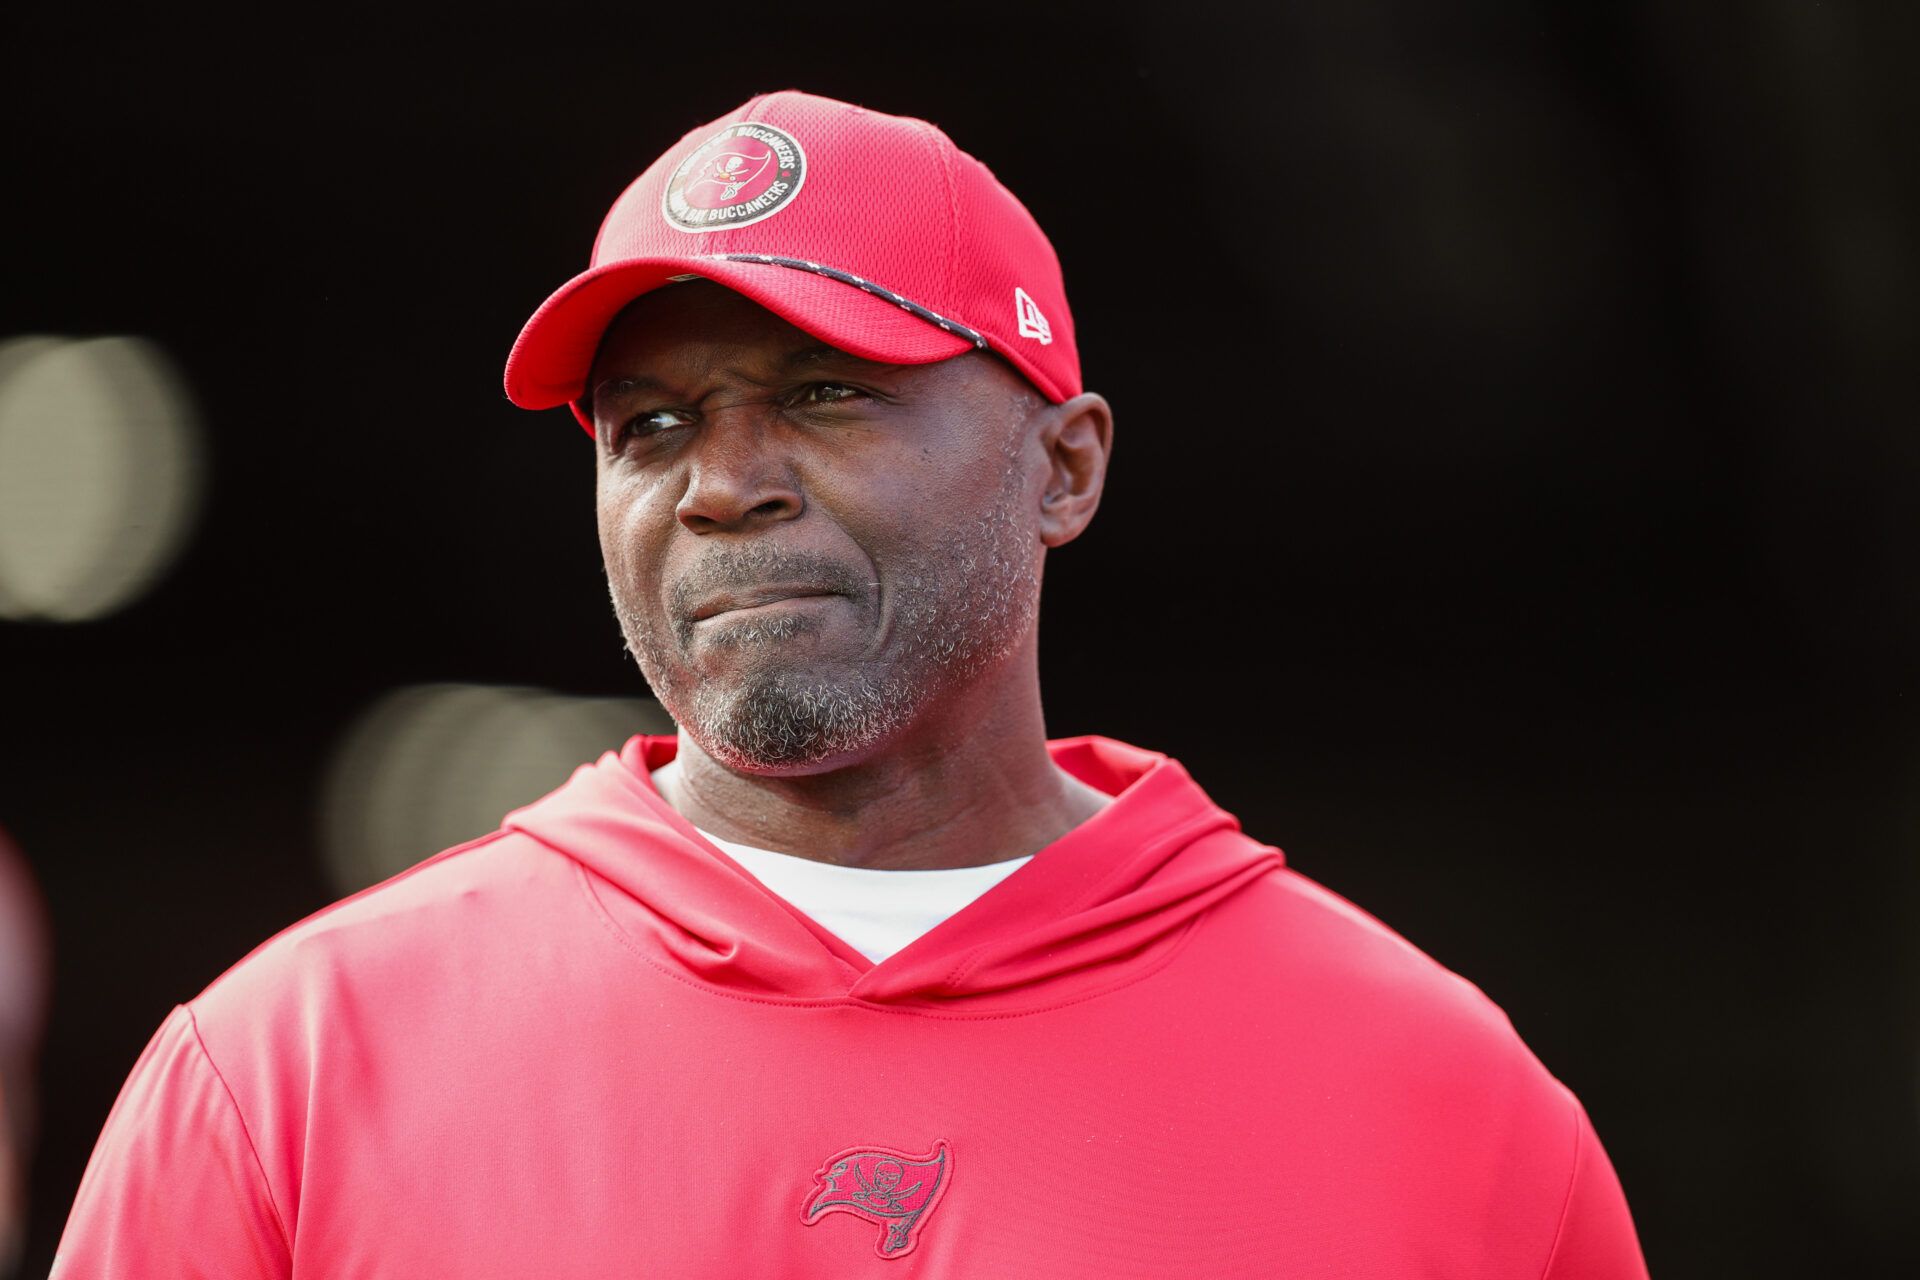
(1027, 312)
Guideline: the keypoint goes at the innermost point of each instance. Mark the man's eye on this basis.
(652, 422)
(828, 393)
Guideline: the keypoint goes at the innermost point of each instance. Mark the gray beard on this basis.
(957, 612)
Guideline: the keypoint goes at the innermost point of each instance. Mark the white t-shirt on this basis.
(874, 912)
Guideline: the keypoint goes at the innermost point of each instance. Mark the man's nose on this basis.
(738, 475)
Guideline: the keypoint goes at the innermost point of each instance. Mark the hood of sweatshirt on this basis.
(1098, 908)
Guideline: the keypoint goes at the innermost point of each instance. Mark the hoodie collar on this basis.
(1092, 910)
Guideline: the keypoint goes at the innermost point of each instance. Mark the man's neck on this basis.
(920, 805)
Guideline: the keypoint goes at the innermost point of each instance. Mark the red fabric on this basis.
(592, 1045)
(886, 198)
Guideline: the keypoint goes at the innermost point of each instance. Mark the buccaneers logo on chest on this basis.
(893, 1190)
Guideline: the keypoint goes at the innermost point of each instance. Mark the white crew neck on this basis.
(875, 912)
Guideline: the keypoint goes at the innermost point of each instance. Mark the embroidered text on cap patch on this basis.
(741, 174)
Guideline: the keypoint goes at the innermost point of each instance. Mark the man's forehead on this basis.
(625, 372)
(701, 315)
(691, 328)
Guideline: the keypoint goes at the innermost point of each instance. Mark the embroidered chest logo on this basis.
(891, 1189)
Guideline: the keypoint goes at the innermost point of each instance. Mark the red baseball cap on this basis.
(871, 232)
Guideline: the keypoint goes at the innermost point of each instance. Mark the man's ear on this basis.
(1078, 438)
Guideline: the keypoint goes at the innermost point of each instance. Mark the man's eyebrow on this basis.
(824, 353)
(818, 353)
(798, 360)
(622, 386)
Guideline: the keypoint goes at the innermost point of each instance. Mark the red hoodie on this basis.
(590, 1045)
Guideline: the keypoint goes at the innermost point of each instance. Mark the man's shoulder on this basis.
(473, 898)
(1349, 975)
(1327, 935)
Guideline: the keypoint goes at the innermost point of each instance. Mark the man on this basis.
(858, 975)
(24, 964)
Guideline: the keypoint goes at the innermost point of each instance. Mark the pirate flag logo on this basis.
(729, 171)
(891, 1189)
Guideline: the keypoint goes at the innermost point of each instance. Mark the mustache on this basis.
(739, 568)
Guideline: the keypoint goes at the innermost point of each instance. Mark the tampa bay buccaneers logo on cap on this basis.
(891, 1189)
(742, 174)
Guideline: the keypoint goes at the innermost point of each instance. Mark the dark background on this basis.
(1513, 512)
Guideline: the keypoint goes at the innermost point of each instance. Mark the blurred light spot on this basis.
(99, 474)
(431, 766)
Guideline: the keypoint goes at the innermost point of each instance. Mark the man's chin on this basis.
(787, 720)
(796, 760)
(751, 672)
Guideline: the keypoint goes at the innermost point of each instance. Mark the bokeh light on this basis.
(100, 474)
(429, 766)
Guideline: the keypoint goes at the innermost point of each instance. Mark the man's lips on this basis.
(755, 597)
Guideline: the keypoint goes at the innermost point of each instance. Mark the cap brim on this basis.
(550, 360)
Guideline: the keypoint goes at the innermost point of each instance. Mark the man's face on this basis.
(807, 551)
